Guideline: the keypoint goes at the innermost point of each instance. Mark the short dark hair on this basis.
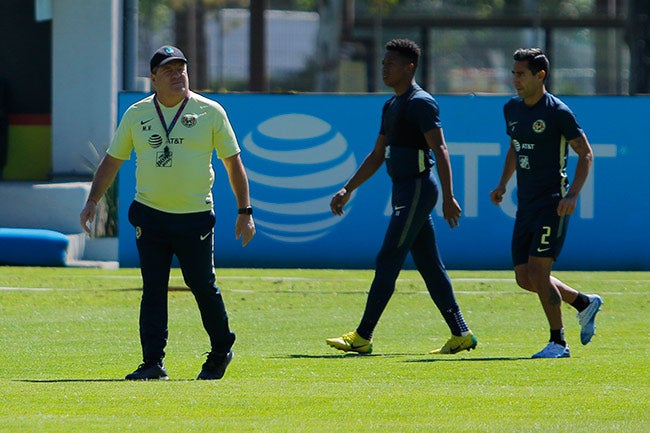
(406, 48)
(535, 57)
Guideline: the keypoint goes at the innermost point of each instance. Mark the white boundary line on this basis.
(292, 291)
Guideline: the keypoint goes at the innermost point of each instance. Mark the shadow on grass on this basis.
(496, 358)
(400, 355)
(66, 380)
(99, 380)
(341, 355)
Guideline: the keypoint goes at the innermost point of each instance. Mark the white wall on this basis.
(86, 69)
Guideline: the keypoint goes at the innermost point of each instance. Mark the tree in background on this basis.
(182, 21)
(188, 25)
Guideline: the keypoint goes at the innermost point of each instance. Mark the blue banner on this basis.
(300, 149)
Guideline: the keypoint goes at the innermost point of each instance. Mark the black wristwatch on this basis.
(248, 210)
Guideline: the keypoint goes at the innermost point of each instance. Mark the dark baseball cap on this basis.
(165, 54)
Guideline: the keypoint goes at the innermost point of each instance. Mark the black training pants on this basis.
(160, 236)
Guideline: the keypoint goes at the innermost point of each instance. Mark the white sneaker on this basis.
(553, 350)
(587, 317)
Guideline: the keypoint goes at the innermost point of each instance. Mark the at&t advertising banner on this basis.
(300, 149)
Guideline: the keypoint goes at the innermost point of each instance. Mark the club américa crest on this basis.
(539, 126)
(189, 120)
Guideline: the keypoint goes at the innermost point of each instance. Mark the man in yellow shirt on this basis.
(174, 132)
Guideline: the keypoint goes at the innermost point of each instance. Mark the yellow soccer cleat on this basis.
(457, 344)
(351, 342)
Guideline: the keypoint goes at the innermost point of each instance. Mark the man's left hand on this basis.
(244, 228)
(451, 211)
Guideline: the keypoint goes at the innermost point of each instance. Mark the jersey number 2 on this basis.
(547, 233)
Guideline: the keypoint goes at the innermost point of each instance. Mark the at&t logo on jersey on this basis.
(295, 163)
(155, 141)
(525, 146)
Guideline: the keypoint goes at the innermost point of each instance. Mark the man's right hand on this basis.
(339, 200)
(87, 215)
(496, 195)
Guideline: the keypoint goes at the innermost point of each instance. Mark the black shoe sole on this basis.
(134, 379)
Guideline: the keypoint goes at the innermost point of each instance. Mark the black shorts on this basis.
(539, 232)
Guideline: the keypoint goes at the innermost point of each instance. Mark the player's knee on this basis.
(523, 281)
(525, 284)
(200, 285)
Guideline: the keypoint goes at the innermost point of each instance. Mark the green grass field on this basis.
(68, 337)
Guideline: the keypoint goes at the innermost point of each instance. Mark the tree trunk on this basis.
(329, 43)
(258, 77)
(190, 38)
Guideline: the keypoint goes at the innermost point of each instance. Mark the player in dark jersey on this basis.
(541, 127)
(410, 128)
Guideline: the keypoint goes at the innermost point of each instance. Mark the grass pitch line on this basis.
(294, 291)
(26, 289)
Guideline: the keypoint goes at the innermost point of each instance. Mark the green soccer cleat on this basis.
(457, 344)
(351, 342)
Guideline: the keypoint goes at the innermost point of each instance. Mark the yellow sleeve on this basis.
(122, 143)
(224, 138)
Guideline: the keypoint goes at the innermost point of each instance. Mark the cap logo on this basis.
(169, 50)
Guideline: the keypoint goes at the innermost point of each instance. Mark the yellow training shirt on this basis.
(175, 174)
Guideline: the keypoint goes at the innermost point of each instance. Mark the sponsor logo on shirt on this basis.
(526, 146)
(524, 162)
(164, 158)
(155, 141)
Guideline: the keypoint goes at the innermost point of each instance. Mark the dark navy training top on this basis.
(405, 119)
(540, 135)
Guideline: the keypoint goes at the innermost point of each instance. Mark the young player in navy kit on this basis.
(174, 134)
(410, 128)
(541, 127)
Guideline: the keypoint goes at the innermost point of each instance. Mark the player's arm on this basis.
(582, 148)
(244, 226)
(450, 208)
(368, 167)
(509, 167)
(103, 179)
